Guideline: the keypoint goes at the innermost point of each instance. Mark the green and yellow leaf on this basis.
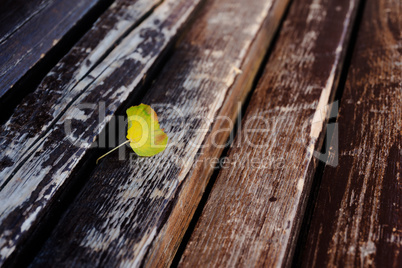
(145, 135)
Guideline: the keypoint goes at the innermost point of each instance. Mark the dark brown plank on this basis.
(135, 213)
(25, 42)
(55, 153)
(253, 214)
(357, 220)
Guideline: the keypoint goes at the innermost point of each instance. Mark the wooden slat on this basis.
(27, 40)
(357, 220)
(253, 214)
(136, 212)
(15, 13)
(55, 154)
(39, 111)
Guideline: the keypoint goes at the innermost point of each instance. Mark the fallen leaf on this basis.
(145, 135)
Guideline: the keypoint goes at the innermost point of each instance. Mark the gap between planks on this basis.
(222, 157)
(35, 185)
(150, 204)
(312, 198)
(40, 42)
(357, 217)
(41, 110)
(252, 217)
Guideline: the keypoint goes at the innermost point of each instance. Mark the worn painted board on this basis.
(34, 184)
(25, 42)
(134, 211)
(252, 216)
(357, 219)
(40, 110)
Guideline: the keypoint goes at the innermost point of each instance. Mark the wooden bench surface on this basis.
(357, 219)
(254, 208)
(33, 35)
(199, 63)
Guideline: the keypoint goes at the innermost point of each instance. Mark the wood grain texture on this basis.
(253, 214)
(135, 211)
(35, 183)
(40, 110)
(357, 220)
(25, 41)
(15, 13)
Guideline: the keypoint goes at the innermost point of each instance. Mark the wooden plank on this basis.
(133, 213)
(253, 214)
(25, 42)
(36, 180)
(39, 111)
(15, 13)
(357, 220)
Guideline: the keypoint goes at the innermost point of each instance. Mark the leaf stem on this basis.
(97, 160)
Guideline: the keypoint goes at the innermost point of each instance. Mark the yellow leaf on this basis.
(145, 136)
(144, 133)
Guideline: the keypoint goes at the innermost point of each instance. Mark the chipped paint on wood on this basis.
(252, 216)
(142, 196)
(39, 111)
(50, 21)
(357, 215)
(55, 155)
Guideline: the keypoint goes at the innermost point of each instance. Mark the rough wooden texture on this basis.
(39, 111)
(56, 152)
(15, 13)
(253, 214)
(136, 212)
(357, 220)
(26, 40)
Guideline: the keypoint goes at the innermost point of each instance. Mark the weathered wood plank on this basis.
(39, 111)
(357, 220)
(26, 41)
(15, 13)
(35, 182)
(253, 214)
(136, 212)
